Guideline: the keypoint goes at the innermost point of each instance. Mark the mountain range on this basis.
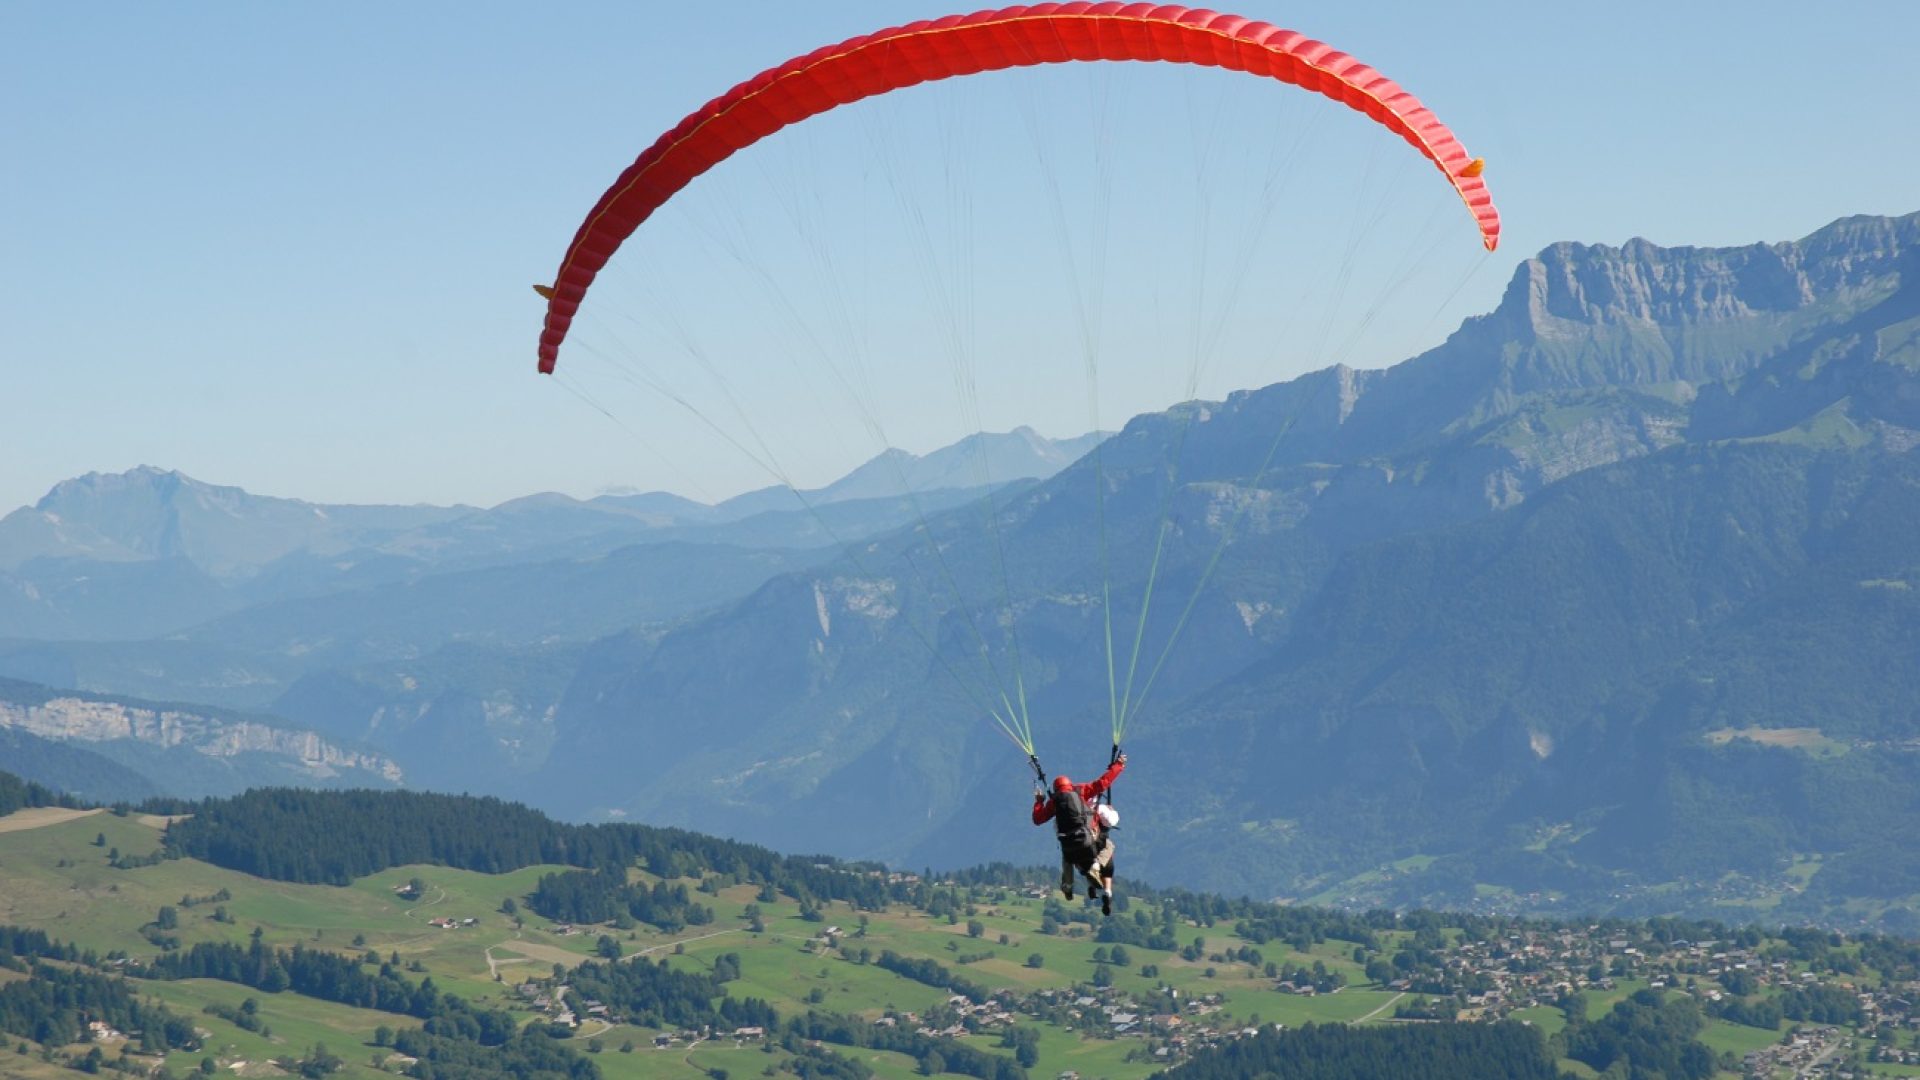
(1605, 602)
(148, 552)
(152, 585)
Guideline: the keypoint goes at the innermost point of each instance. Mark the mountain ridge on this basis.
(1351, 466)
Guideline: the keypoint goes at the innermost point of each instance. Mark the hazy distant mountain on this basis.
(1504, 606)
(164, 670)
(464, 717)
(72, 597)
(149, 553)
(988, 459)
(72, 769)
(148, 514)
(521, 604)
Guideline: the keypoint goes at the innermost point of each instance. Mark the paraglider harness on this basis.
(1073, 817)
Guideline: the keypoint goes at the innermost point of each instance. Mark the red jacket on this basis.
(1043, 805)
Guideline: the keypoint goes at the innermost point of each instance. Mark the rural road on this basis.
(1812, 1068)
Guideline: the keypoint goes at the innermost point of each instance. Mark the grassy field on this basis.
(1061, 1051)
(1736, 1039)
(1807, 740)
(39, 817)
(1601, 1002)
(1548, 1019)
(294, 1026)
(1335, 893)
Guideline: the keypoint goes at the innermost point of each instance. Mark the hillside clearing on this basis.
(39, 817)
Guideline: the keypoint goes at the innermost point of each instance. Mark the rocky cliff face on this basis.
(99, 720)
(1570, 287)
(1690, 311)
(1580, 317)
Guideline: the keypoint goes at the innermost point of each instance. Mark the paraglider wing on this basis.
(988, 41)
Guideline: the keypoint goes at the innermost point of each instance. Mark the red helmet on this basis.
(1061, 783)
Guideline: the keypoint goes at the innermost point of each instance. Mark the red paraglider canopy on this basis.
(988, 41)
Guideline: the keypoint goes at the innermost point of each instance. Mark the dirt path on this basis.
(534, 950)
(1383, 1008)
(39, 817)
(682, 941)
(428, 903)
(493, 966)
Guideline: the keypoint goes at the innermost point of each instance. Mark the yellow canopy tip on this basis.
(1475, 167)
(545, 291)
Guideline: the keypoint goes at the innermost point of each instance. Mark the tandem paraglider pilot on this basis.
(1084, 830)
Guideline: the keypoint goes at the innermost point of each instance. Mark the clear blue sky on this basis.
(289, 246)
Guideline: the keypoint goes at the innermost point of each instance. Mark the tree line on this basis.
(1502, 1051)
(932, 973)
(18, 794)
(335, 837)
(605, 896)
(528, 1056)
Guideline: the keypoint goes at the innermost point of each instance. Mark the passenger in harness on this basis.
(1086, 843)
